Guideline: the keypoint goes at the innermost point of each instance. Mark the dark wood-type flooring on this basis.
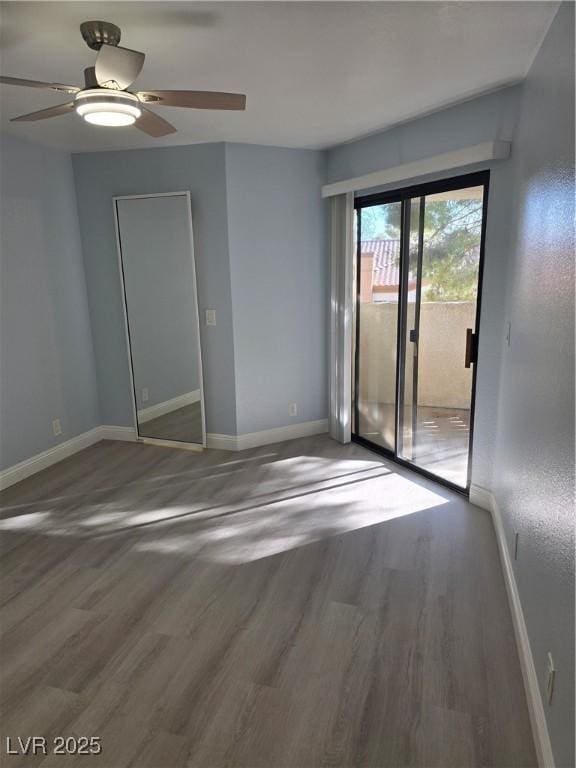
(302, 604)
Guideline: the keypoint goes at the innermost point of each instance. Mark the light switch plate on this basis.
(210, 317)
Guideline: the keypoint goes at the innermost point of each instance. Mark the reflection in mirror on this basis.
(157, 264)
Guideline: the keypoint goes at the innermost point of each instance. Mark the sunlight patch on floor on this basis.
(298, 500)
(253, 533)
(30, 521)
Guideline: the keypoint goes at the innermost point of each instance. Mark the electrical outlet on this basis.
(292, 409)
(145, 394)
(550, 677)
(516, 538)
(56, 427)
(210, 317)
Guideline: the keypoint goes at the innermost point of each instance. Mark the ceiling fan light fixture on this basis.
(110, 116)
(101, 106)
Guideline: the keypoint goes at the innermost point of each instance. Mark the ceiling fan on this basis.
(104, 99)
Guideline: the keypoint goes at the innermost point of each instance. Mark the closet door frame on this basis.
(404, 195)
(139, 438)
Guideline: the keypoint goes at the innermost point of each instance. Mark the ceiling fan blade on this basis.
(38, 84)
(153, 124)
(194, 99)
(118, 67)
(44, 114)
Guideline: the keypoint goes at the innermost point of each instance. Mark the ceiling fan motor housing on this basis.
(99, 33)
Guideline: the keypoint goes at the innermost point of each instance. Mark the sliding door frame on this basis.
(404, 196)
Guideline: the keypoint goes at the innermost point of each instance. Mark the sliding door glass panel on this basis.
(377, 317)
(445, 308)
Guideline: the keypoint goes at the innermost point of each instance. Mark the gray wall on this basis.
(487, 118)
(201, 170)
(278, 264)
(46, 356)
(534, 471)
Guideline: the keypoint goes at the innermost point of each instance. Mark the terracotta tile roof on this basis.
(386, 264)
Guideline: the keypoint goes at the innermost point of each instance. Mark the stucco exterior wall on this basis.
(443, 381)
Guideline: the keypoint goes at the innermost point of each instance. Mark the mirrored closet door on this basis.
(158, 277)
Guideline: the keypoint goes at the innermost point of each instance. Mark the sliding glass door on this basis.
(377, 323)
(419, 254)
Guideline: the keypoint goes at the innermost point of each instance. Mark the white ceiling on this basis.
(315, 74)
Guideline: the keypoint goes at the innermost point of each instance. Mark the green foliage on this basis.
(451, 250)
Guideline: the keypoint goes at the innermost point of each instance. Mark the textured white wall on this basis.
(534, 470)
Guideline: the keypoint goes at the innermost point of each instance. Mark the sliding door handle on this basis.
(471, 351)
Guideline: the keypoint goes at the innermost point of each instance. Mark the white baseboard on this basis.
(266, 436)
(481, 497)
(47, 458)
(167, 406)
(484, 498)
(222, 442)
